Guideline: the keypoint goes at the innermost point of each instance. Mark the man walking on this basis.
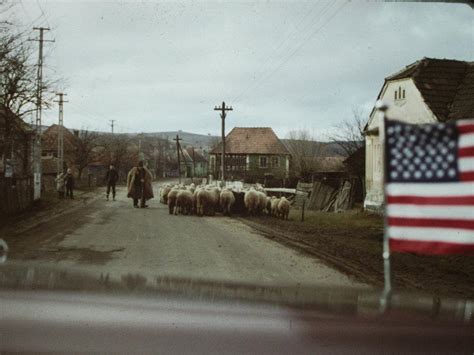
(69, 182)
(111, 179)
(139, 185)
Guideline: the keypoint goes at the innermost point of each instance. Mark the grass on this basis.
(356, 238)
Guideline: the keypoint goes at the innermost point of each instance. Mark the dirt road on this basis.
(112, 237)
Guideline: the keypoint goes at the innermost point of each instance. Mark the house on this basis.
(252, 154)
(427, 91)
(16, 181)
(49, 154)
(193, 163)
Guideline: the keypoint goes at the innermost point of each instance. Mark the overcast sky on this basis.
(161, 66)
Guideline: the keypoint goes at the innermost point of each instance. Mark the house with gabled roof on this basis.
(252, 154)
(426, 91)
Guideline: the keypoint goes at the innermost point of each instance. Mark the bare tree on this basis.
(349, 135)
(86, 143)
(305, 152)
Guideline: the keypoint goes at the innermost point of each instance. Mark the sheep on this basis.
(283, 208)
(171, 199)
(262, 202)
(268, 206)
(204, 202)
(184, 202)
(251, 201)
(215, 195)
(227, 200)
(274, 203)
(165, 189)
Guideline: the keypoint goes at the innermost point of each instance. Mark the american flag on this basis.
(430, 187)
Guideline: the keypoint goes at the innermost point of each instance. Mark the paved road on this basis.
(112, 237)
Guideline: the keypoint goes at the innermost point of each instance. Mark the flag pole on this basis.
(385, 299)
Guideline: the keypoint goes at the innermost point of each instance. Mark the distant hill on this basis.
(200, 141)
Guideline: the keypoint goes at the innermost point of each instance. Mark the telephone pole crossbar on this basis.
(223, 115)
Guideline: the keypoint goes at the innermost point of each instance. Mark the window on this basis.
(263, 162)
(399, 94)
(275, 162)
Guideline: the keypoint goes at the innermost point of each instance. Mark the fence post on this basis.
(302, 211)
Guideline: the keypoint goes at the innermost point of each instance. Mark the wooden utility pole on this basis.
(61, 101)
(194, 165)
(177, 139)
(223, 115)
(39, 94)
(112, 125)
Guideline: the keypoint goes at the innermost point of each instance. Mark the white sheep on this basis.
(184, 202)
(274, 203)
(204, 202)
(227, 200)
(262, 202)
(268, 206)
(164, 190)
(283, 208)
(251, 201)
(171, 198)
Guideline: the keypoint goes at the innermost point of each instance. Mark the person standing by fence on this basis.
(111, 179)
(60, 185)
(69, 181)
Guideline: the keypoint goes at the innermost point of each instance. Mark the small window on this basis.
(263, 162)
(403, 94)
(396, 96)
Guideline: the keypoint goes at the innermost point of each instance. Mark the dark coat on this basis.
(112, 176)
(132, 184)
(69, 181)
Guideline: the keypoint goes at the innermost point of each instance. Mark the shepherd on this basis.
(139, 185)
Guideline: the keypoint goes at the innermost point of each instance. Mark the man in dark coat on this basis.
(139, 185)
(111, 179)
(69, 182)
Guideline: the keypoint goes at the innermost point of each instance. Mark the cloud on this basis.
(158, 66)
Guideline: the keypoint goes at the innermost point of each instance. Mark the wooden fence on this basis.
(16, 194)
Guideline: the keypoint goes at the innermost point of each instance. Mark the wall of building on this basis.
(252, 169)
(410, 108)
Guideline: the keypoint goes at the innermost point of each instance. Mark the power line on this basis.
(288, 58)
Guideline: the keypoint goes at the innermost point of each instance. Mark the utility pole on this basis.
(177, 139)
(223, 110)
(194, 165)
(60, 132)
(39, 94)
(112, 125)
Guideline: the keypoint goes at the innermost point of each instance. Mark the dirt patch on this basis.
(352, 243)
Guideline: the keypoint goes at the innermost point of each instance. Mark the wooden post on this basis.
(302, 211)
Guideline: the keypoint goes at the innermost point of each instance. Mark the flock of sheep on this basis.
(207, 199)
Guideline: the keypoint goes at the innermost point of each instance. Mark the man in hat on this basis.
(139, 185)
(69, 182)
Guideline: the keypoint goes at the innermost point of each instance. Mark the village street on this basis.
(110, 237)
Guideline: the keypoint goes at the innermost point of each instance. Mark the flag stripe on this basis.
(467, 176)
(466, 152)
(427, 189)
(437, 200)
(466, 128)
(429, 222)
(416, 211)
(466, 140)
(439, 248)
(428, 234)
(466, 164)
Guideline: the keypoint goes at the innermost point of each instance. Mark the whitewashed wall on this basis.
(410, 109)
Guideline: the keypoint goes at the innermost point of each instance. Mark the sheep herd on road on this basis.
(205, 200)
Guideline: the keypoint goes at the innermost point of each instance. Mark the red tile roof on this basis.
(252, 140)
